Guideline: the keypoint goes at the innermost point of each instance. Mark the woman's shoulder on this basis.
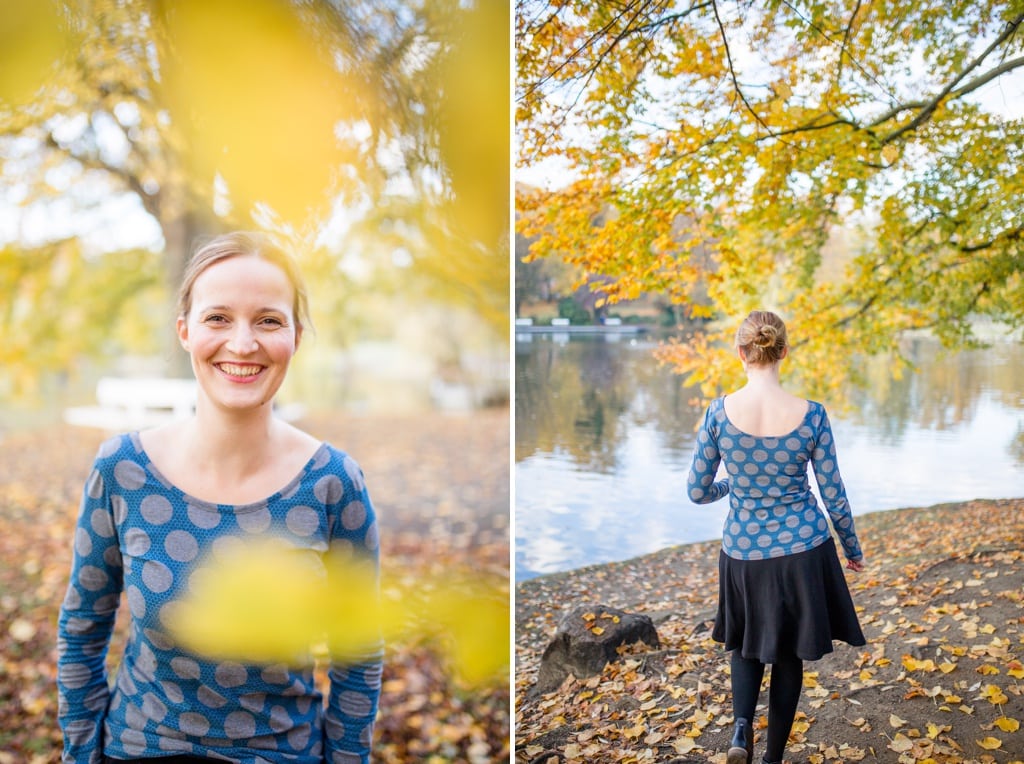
(117, 448)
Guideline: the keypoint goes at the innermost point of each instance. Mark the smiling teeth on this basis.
(240, 371)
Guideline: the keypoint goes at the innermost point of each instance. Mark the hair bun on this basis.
(766, 337)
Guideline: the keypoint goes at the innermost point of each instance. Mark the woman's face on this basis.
(240, 331)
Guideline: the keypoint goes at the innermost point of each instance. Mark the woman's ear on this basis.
(182, 328)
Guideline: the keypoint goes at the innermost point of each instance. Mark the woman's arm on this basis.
(355, 680)
(86, 622)
(701, 485)
(832, 490)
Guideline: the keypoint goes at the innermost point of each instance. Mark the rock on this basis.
(586, 639)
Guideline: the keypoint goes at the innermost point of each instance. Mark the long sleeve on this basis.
(355, 683)
(86, 622)
(832, 490)
(701, 485)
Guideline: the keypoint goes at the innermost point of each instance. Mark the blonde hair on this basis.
(762, 338)
(242, 244)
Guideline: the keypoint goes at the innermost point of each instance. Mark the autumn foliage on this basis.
(715, 153)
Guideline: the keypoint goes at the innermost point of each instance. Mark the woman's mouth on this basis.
(239, 370)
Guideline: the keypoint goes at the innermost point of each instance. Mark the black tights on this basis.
(787, 679)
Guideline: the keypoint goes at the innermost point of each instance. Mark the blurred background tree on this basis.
(373, 135)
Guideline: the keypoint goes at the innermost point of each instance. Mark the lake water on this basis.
(603, 438)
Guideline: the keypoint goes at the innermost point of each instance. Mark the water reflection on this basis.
(604, 435)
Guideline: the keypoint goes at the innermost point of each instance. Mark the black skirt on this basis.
(783, 607)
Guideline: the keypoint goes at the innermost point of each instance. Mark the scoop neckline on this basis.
(803, 421)
(211, 506)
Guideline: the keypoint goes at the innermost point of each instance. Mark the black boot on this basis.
(741, 749)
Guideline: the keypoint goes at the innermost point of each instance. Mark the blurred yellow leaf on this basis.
(271, 602)
(32, 40)
(990, 743)
(257, 99)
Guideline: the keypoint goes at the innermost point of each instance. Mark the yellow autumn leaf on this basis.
(990, 743)
(1006, 724)
(946, 667)
(901, 743)
(270, 602)
(987, 669)
(896, 721)
(597, 630)
(1016, 670)
(890, 153)
(994, 695)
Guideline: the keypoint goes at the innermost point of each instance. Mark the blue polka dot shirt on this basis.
(772, 511)
(139, 536)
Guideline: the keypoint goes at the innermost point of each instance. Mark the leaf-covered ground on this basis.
(441, 489)
(941, 679)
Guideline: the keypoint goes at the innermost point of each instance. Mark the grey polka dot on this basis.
(136, 542)
(74, 675)
(256, 521)
(156, 509)
(253, 701)
(230, 674)
(106, 604)
(343, 757)
(159, 639)
(239, 724)
(157, 576)
(194, 724)
(172, 691)
(72, 599)
(298, 737)
(355, 703)
(203, 518)
(134, 717)
(134, 742)
(353, 515)
(136, 601)
(109, 447)
(112, 556)
(302, 520)
(146, 662)
(355, 474)
(280, 720)
(92, 578)
(101, 523)
(120, 508)
(166, 743)
(153, 707)
(96, 699)
(181, 546)
(320, 459)
(329, 489)
(210, 697)
(226, 546)
(186, 668)
(126, 684)
(83, 542)
(94, 485)
(129, 475)
(276, 674)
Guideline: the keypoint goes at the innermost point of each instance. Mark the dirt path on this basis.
(941, 679)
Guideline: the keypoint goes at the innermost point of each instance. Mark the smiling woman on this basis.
(159, 500)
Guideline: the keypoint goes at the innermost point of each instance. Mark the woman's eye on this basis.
(270, 320)
(215, 319)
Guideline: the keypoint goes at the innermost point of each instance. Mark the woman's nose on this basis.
(242, 340)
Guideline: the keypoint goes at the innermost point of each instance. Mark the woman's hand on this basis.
(855, 565)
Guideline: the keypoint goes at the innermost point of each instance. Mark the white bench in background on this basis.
(135, 403)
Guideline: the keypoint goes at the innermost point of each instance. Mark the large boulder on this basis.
(586, 639)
